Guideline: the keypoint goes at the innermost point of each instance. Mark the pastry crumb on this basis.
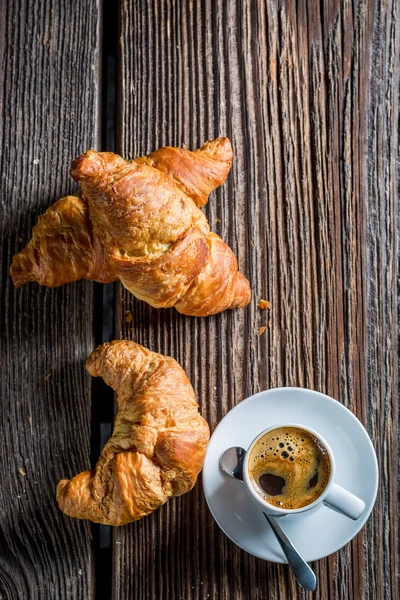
(269, 323)
(264, 304)
(22, 472)
(216, 220)
(261, 330)
(47, 377)
(128, 316)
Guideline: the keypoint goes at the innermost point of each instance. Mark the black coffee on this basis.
(289, 467)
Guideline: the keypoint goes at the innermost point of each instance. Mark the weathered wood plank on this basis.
(49, 115)
(308, 94)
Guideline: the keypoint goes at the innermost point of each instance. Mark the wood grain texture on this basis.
(308, 93)
(49, 115)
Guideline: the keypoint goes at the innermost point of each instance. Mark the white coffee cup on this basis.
(334, 495)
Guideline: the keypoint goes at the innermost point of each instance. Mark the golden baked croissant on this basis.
(140, 222)
(158, 445)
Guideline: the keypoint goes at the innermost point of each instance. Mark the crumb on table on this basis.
(264, 304)
(261, 330)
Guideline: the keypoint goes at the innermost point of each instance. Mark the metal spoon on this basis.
(231, 462)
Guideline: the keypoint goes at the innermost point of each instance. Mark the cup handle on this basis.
(345, 502)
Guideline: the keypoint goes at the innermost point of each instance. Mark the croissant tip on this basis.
(243, 290)
(60, 491)
(223, 140)
(86, 165)
(91, 362)
(20, 275)
(95, 358)
(17, 280)
(75, 167)
(220, 148)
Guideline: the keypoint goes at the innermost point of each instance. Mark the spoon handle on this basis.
(304, 575)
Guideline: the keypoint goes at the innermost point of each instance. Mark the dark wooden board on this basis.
(49, 98)
(308, 93)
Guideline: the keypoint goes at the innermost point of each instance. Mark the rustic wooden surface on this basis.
(308, 94)
(49, 115)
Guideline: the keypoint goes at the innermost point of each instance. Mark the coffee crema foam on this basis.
(289, 467)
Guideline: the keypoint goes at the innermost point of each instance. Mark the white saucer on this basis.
(315, 534)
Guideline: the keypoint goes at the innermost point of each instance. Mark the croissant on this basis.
(140, 222)
(158, 445)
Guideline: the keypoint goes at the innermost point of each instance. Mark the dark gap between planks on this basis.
(104, 302)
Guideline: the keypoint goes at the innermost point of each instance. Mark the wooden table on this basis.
(308, 93)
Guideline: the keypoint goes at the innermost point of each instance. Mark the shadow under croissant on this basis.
(173, 529)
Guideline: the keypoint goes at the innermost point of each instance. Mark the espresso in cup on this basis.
(289, 467)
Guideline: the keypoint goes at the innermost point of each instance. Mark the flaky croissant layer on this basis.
(158, 444)
(140, 222)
